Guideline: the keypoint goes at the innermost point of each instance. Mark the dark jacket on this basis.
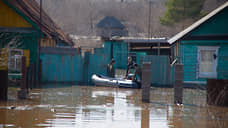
(111, 70)
(138, 74)
(129, 66)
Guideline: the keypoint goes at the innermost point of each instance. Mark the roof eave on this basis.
(195, 25)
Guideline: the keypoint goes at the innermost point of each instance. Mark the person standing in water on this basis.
(111, 69)
(137, 77)
(129, 66)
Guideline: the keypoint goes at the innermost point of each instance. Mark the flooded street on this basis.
(104, 107)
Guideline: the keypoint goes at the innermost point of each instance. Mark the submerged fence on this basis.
(162, 74)
(68, 65)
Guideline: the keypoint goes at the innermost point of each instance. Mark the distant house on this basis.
(109, 27)
(202, 48)
(153, 46)
(21, 28)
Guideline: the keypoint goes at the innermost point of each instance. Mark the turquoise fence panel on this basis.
(138, 56)
(99, 51)
(160, 69)
(107, 49)
(120, 53)
(61, 68)
(97, 65)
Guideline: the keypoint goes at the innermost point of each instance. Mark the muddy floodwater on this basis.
(105, 107)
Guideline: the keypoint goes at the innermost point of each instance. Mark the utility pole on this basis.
(39, 43)
(149, 26)
(149, 17)
(40, 33)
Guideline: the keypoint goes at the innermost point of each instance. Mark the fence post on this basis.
(31, 76)
(178, 84)
(34, 81)
(3, 74)
(22, 92)
(27, 78)
(39, 73)
(146, 72)
(4, 84)
(86, 68)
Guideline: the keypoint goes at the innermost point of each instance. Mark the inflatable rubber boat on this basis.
(101, 80)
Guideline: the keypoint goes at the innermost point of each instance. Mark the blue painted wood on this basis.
(222, 68)
(188, 55)
(120, 54)
(97, 65)
(160, 69)
(215, 26)
(61, 68)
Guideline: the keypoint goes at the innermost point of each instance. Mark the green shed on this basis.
(202, 48)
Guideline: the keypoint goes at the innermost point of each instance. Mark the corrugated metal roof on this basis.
(152, 40)
(31, 9)
(197, 24)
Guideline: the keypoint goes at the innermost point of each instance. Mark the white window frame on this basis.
(15, 59)
(206, 75)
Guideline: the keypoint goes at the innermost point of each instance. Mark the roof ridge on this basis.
(197, 23)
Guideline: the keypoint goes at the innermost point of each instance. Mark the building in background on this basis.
(203, 48)
(110, 27)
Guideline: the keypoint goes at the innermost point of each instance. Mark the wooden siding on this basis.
(48, 43)
(3, 59)
(9, 18)
(188, 56)
(222, 68)
(189, 59)
(26, 53)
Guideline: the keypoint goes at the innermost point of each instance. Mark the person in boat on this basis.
(129, 66)
(111, 69)
(137, 75)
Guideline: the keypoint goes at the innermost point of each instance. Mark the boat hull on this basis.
(101, 80)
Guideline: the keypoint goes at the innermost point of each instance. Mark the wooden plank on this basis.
(10, 18)
(18, 29)
(61, 51)
(3, 59)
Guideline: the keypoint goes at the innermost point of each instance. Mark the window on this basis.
(15, 59)
(207, 61)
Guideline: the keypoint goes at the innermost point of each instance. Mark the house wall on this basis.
(26, 41)
(187, 49)
(223, 61)
(9, 18)
(188, 55)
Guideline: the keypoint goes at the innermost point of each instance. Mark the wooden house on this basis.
(202, 48)
(109, 27)
(22, 29)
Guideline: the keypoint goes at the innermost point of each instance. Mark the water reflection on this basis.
(102, 107)
(145, 116)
